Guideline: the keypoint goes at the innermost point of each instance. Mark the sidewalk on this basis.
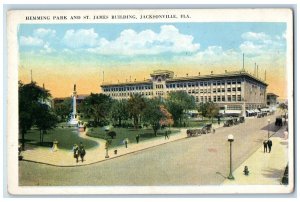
(64, 158)
(265, 168)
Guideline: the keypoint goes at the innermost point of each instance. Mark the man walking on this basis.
(265, 146)
(269, 145)
(166, 135)
(81, 152)
(137, 137)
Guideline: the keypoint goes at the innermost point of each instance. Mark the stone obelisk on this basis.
(74, 118)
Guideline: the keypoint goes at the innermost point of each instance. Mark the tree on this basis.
(30, 97)
(63, 109)
(212, 110)
(153, 114)
(97, 107)
(202, 108)
(283, 107)
(177, 103)
(136, 105)
(46, 119)
(167, 120)
(119, 111)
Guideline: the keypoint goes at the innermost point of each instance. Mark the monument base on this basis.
(73, 122)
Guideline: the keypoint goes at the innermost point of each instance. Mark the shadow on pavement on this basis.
(218, 173)
(273, 173)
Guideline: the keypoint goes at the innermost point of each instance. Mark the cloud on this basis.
(80, 38)
(41, 33)
(31, 41)
(261, 44)
(253, 36)
(130, 42)
(211, 55)
(47, 48)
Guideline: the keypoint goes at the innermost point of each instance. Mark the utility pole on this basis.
(243, 63)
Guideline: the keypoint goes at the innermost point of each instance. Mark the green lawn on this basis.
(201, 123)
(66, 138)
(122, 133)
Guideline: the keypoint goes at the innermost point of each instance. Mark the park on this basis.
(149, 136)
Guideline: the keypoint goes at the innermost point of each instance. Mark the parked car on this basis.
(228, 123)
(241, 119)
(278, 121)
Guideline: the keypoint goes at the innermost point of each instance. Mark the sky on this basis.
(60, 55)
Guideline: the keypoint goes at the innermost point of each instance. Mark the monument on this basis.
(74, 117)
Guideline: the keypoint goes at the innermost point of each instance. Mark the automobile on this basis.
(259, 115)
(207, 128)
(241, 119)
(228, 123)
(278, 121)
(235, 121)
(196, 132)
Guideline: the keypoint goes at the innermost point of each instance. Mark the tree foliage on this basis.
(97, 107)
(208, 109)
(153, 114)
(283, 107)
(119, 111)
(177, 103)
(136, 105)
(64, 109)
(46, 119)
(31, 97)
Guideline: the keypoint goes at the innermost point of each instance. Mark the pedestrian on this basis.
(265, 146)
(166, 135)
(137, 137)
(82, 152)
(54, 146)
(269, 145)
(125, 142)
(76, 152)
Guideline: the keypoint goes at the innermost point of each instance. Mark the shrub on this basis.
(112, 134)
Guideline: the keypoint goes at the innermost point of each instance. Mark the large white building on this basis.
(235, 92)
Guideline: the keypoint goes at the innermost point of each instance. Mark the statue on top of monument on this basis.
(74, 87)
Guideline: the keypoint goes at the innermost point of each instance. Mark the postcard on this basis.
(163, 101)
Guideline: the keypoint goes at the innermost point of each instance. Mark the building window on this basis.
(219, 98)
(239, 98)
(223, 98)
(215, 98)
(239, 89)
(197, 99)
(233, 89)
(228, 89)
(229, 98)
(233, 98)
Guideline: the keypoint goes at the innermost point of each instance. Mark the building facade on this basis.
(272, 99)
(232, 91)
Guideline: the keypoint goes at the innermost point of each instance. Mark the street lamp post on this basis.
(268, 128)
(230, 140)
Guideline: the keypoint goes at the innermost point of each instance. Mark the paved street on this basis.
(200, 160)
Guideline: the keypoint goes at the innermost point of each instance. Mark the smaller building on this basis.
(272, 99)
